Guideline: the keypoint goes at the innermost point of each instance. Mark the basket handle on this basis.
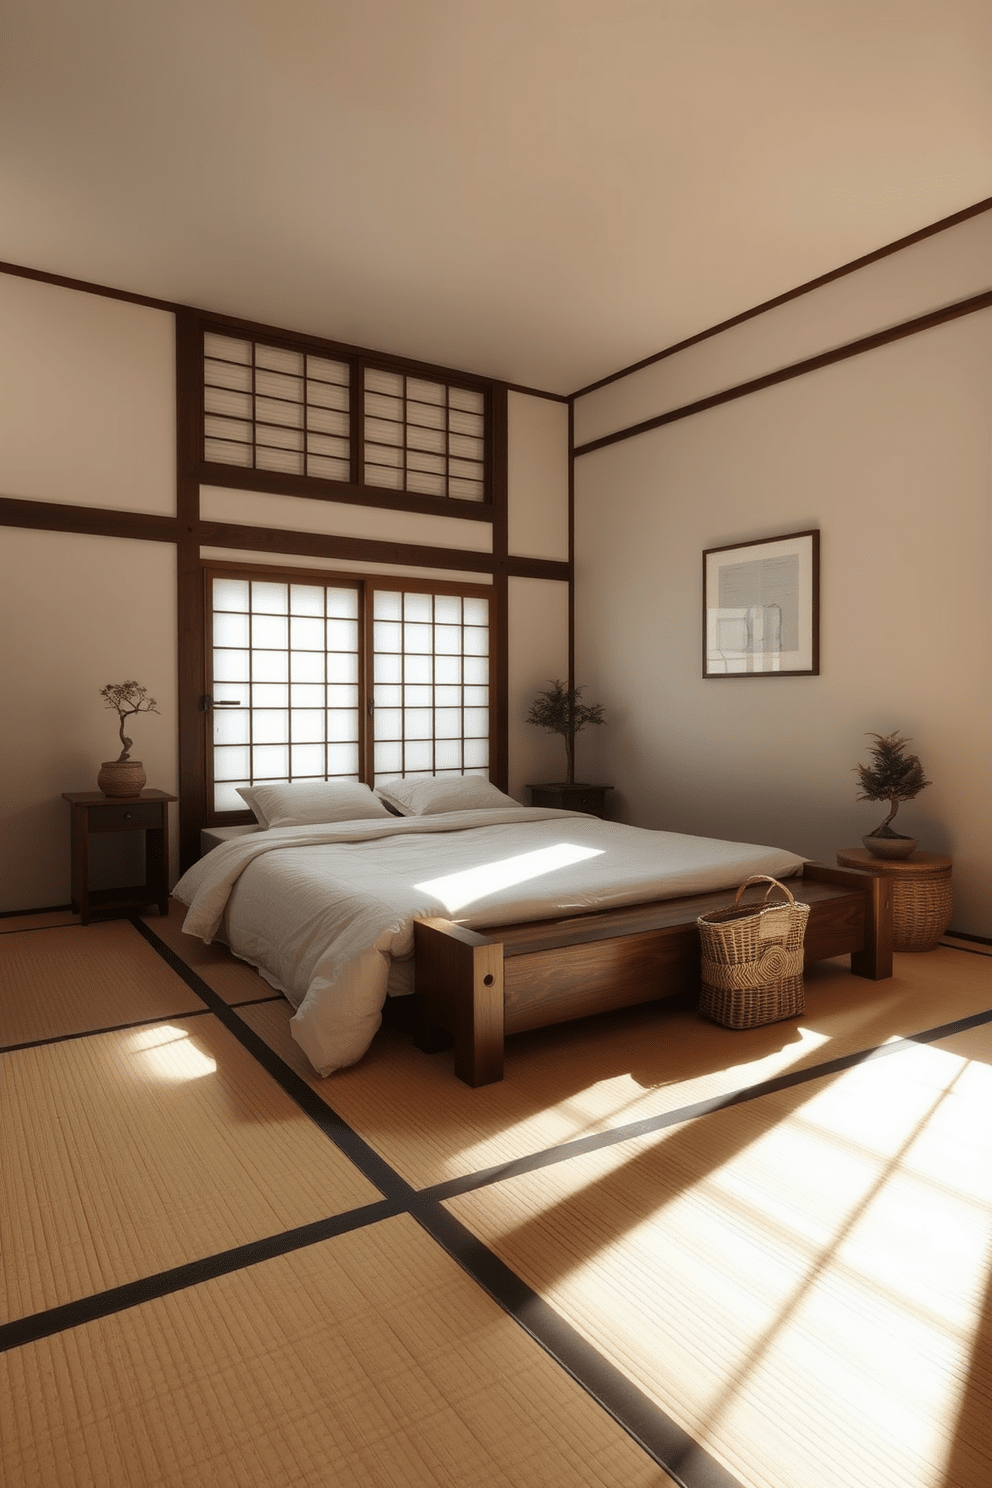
(772, 883)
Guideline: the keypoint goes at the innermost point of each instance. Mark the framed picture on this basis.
(761, 608)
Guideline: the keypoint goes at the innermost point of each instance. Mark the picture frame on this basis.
(761, 608)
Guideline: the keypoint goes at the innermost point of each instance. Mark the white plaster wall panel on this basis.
(342, 565)
(79, 612)
(87, 399)
(939, 270)
(338, 519)
(537, 638)
(537, 477)
(889, 455)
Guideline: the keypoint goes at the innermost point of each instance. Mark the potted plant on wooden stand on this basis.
(561, 710)
(892, 776)
(124, 777)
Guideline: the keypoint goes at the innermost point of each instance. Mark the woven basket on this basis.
(753, 959)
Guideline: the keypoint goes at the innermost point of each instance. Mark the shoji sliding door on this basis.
(315, 678)
(430, 683)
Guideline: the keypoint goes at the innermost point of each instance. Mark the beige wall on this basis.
(537, 478)
(87, 399)
(87, 417)
(889, 455)
(538, 653)
(537, 527)
(76, 612)
(298, 514)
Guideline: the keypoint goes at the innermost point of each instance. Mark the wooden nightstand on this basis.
(147, 812)
(922, 898)
(590, 798)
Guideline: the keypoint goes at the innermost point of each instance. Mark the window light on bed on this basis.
(456, 890)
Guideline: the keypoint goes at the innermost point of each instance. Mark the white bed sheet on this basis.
(324, 912)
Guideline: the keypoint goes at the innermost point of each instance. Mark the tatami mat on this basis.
(128, 1153)
(581, 1078)
(798, 1281)
(368, 1361)
(233, 980)
(70, 980)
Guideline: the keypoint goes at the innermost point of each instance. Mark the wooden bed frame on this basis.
(473, 989)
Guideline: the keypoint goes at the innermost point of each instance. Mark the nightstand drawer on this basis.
(123, 816)
(591, 800)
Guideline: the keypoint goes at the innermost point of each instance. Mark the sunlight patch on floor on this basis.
(170, 1053)
(604, 1104)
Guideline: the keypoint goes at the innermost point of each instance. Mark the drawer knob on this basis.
(128, 815)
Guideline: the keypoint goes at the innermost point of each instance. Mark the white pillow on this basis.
(443, 793)
(304, 801)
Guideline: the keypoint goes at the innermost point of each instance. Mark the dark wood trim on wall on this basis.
(98, 521)
(53, 516)
(369, 550)
(192, 722)
(571, 543)
(536, 568)
(62, 281)
(499, 766)
(499, 470)
(190, 607)
(499, 619)
(792, 294)
(797, 369)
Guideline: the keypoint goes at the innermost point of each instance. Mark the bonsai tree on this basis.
(892, 776)
(127, 698)
(561, 711)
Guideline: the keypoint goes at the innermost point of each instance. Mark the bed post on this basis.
(874, 960)
(460, 989)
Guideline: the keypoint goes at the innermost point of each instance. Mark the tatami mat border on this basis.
(85, 1033)
(688, 1463)
(118, 1299)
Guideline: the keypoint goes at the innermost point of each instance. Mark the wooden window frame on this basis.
(326, 488)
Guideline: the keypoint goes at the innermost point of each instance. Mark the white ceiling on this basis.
(539, 190)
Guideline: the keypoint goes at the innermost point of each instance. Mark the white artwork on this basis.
(760, 607)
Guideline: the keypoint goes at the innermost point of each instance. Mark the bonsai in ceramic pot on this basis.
(560, 710)
(124, 777)
(892, 776)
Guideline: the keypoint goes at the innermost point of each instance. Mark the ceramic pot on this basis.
(121, 778)
(890, 845)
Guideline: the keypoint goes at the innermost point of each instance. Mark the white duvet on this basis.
(324, 911)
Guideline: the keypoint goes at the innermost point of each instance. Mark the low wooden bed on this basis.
(473, 989)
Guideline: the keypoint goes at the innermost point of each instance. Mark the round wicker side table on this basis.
(922, 899)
